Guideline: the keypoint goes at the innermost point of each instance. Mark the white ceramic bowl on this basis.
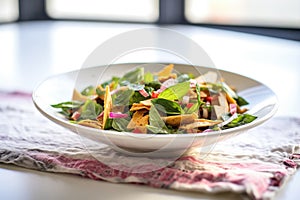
(263, 104)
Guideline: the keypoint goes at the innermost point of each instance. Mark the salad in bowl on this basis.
(162, 102)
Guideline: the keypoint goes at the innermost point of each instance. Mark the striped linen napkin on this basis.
(256, 163)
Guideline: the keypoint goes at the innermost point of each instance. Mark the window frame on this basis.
(170, 12)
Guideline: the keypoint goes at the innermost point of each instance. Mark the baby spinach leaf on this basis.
(182, 78)
(90, 110)
(100, 92)
(154, 84)
(240, 120)
(157, 125)
(122, 97)
(120, 124)
(167, 106)
(136, 98)
(241, 101)
(134, 76)
(154, 129)
(114, 81)
(68, 105)
(108, 124)
(175, 92)
(88, 91)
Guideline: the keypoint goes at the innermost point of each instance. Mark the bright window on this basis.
(120, 10)
(9, 10)
(269, 13)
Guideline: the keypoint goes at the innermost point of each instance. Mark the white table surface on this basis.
(32, 51)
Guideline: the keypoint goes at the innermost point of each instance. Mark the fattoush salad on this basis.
(163, 102)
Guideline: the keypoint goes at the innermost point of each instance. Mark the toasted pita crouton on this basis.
(140, 129)
(177, 120)
(200, 123)
(164, 78)
(146, 102)
(90, 123)
(209, 77)
(166, 71)
(77, 96)
(139, 119)
(139, 106)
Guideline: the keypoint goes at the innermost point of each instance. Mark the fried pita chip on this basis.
(90, 123)
(208, 77)
(139, 106)
(107, 105)
(177, 120)
(140, 129)
(200, 123)
(139, 119)
(166, 71)
(192, 94)
(77, 96)
(146, 102)
(164, 78)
